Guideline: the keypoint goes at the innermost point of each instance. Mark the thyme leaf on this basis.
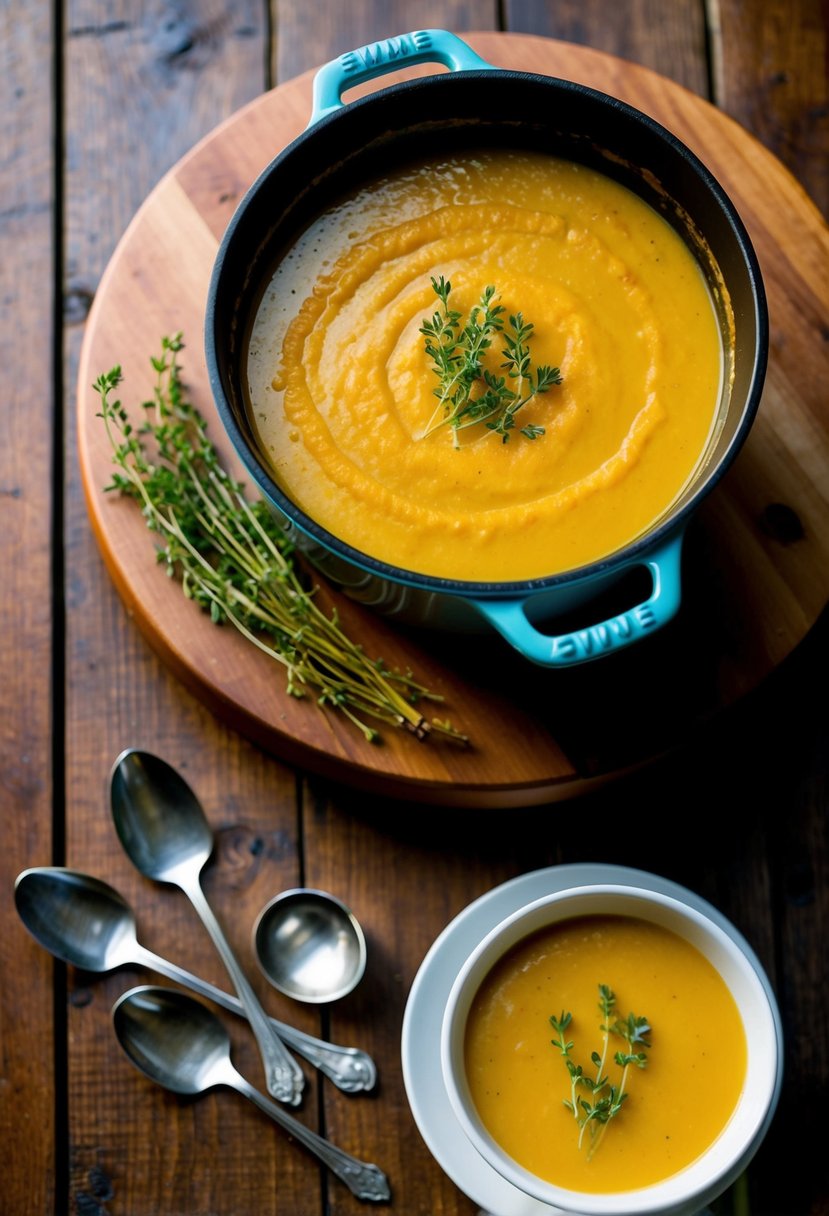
(468, 393)
(604, 1098)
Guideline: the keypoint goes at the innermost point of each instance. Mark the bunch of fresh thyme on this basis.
(456, 351)
(606, 1098)
(234, 561)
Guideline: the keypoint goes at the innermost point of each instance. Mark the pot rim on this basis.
(672, 522)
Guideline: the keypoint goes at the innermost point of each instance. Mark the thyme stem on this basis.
(232, 559)
(606, 1099)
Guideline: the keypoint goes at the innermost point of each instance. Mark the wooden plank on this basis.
(141, 90)
(301, 40)
(769, 72)
(27, 427)
(793, 803)
(670, 38)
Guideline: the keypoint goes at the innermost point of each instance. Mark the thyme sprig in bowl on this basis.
(235, 563)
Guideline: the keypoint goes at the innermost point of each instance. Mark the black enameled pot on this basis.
(476, 105)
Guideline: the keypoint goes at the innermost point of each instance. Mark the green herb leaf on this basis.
(593, 1117)
(467, 392)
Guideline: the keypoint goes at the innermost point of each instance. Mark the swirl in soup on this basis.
(341, 389)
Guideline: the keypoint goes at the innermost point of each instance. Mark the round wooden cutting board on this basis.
(756, 565)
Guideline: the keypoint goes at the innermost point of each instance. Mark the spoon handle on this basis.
(352, 1070)
(363, 1179)
(284, 1077)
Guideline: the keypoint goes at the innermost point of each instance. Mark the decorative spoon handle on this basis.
(363, 1179)
(352, 1070)
(284, 1077)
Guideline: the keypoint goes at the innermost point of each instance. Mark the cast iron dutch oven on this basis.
(477, 105)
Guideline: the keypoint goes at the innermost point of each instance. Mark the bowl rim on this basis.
(630, 554)
(706, 1176)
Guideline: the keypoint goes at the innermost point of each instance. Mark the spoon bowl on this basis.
(174, 1040)
(182, 1046)
(76, 917)
(310, 945)
(158, 818)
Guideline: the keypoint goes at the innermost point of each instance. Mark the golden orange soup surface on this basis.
(341, 389)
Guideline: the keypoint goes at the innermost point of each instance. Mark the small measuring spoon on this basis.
(166, 836)
(310, 945)
(181, 1045)
(84, 921)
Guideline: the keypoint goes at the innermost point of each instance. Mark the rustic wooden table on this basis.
(98, 102)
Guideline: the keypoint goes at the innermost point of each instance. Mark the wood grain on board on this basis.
(27, 610)
(143, 83)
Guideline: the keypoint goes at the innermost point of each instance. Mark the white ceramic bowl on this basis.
(710, 1174)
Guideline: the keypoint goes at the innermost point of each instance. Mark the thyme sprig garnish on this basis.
(470, 393)
(594, 1113)
(234, 561)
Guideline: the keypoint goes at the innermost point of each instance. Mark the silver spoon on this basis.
(310, 945)
(181, 1045)
(85, 922)
(165, 834)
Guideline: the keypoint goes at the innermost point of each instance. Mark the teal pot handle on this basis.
(421, 46)
(615, 634)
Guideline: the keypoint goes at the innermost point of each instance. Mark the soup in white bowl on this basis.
(689, 1115)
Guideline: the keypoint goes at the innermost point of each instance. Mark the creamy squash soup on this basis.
(355, 419)
(560, 1006)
